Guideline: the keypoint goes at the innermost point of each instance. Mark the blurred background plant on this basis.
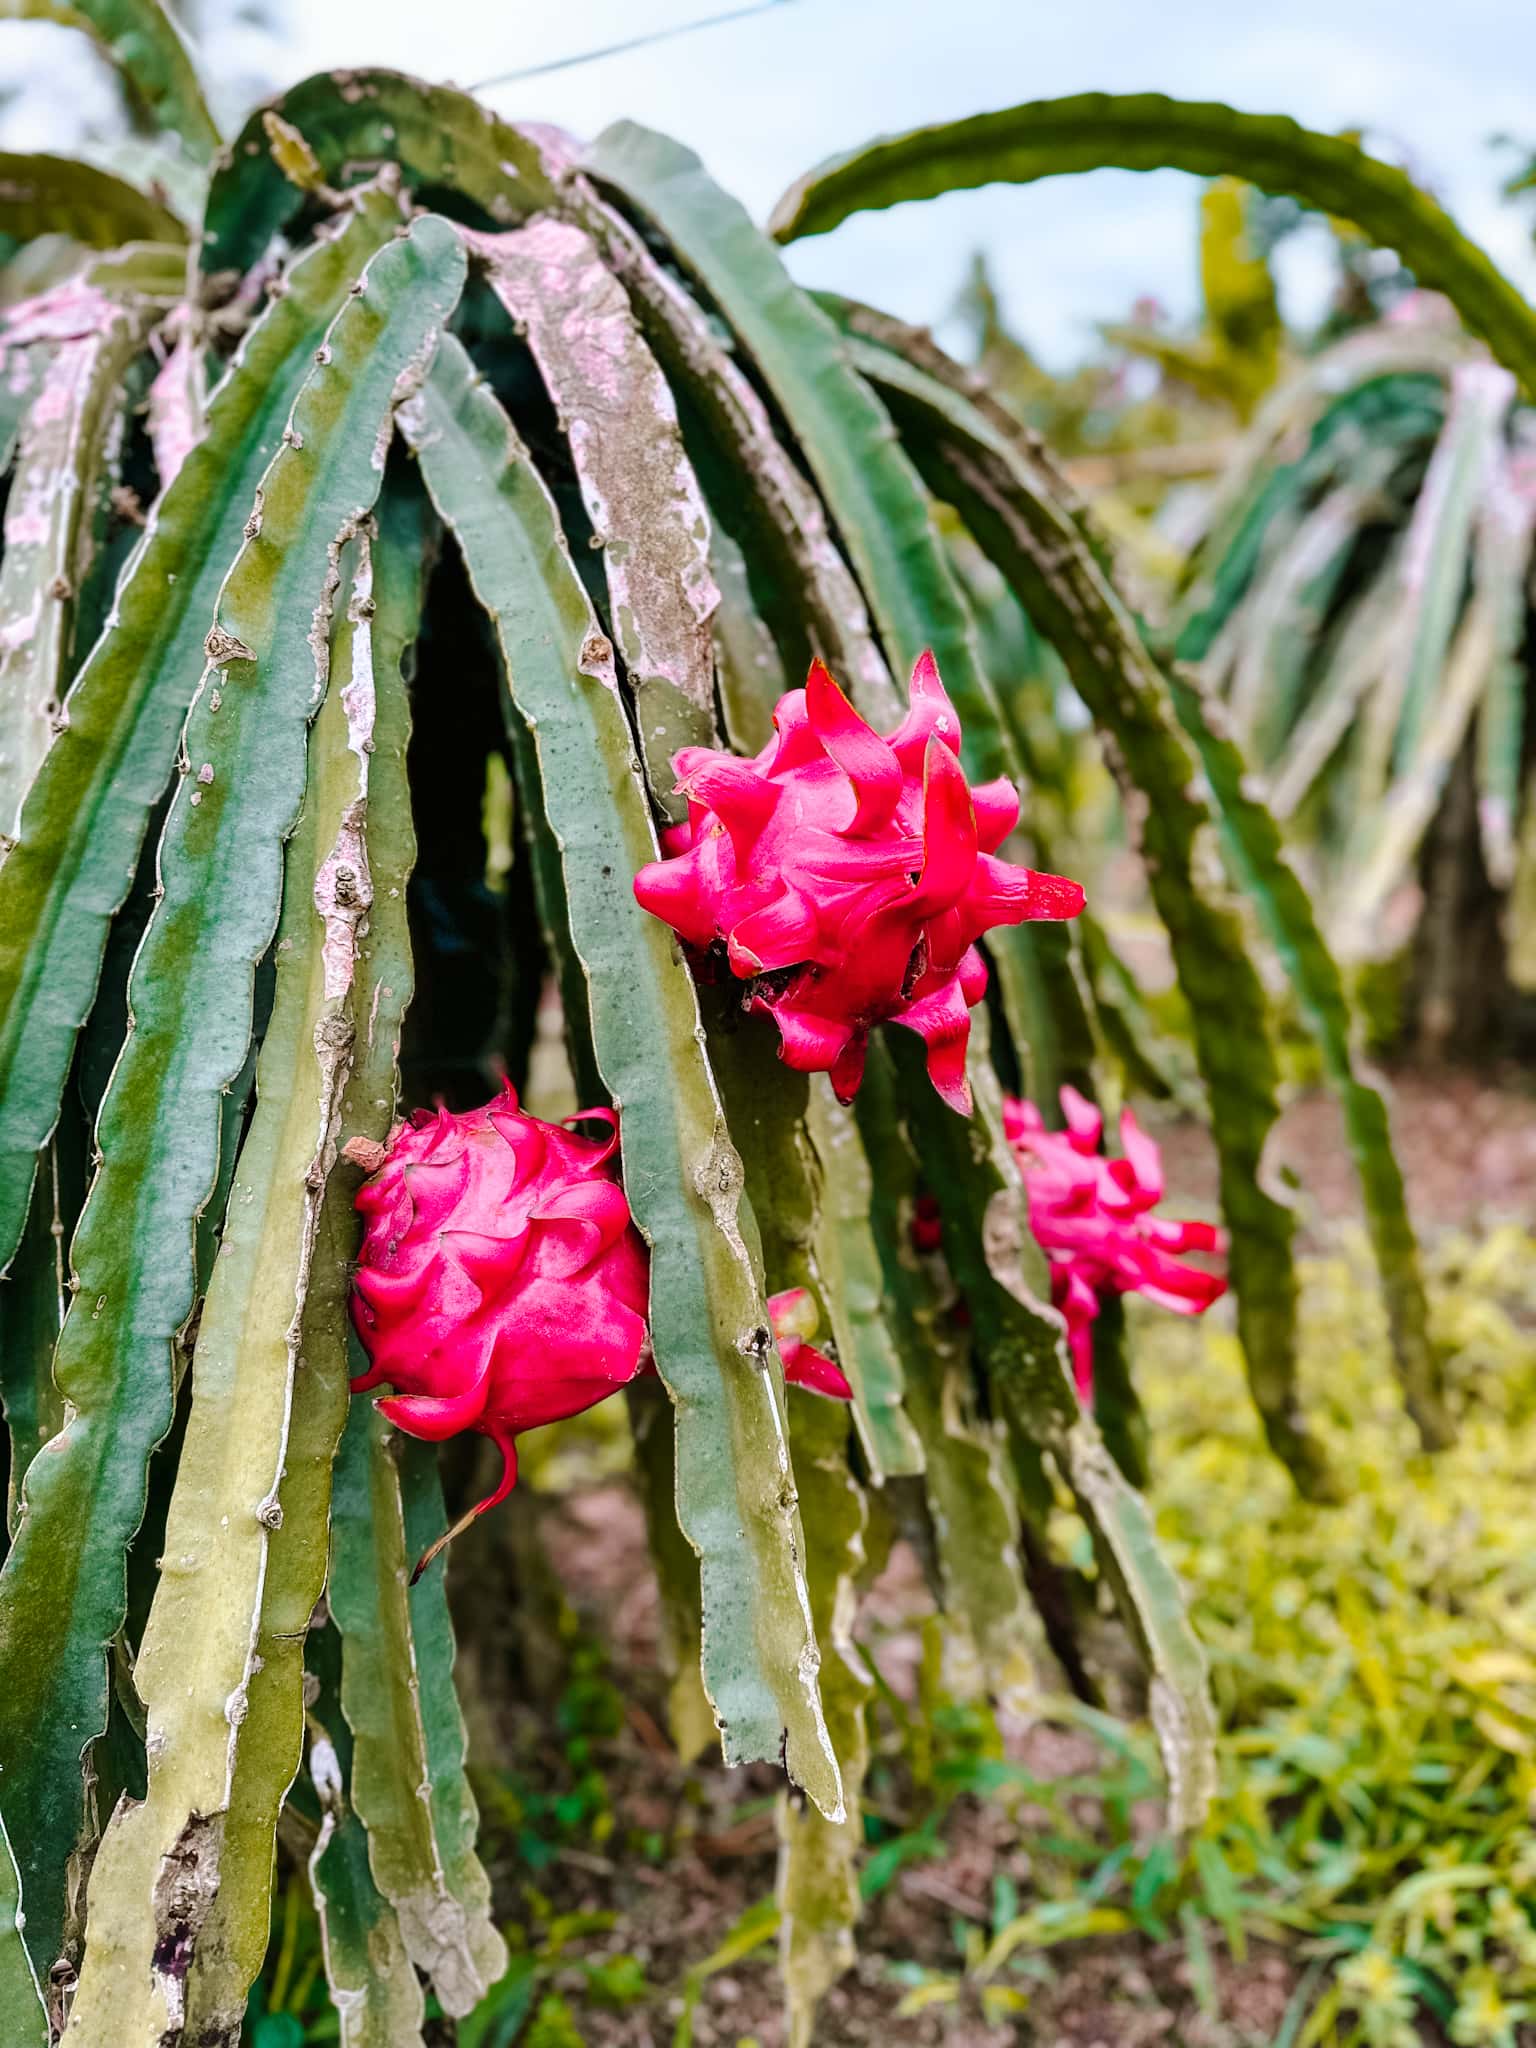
(1336, 527)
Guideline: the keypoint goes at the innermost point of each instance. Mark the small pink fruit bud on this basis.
(795, 1320)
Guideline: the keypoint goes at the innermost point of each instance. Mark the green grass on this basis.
(1374, 1665)
(1374, 1662)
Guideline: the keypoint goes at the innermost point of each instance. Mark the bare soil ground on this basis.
(719, 1826)
(1467, 1144)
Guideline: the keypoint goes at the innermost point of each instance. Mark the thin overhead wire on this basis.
(660, 35)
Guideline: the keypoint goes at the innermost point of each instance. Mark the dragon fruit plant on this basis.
(1373, 655)
(375, 472)
(1357, 593)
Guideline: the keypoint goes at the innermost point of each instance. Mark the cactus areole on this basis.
(501, 1283)
(846, 878)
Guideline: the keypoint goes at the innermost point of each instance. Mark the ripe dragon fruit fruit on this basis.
(501, 1283)
(1091, 1217)
(848, 877)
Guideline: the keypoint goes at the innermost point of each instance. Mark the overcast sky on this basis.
(763, 99)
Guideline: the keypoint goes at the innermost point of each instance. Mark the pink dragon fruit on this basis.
(848, 877)
(1091, 1216)
(501, 1283)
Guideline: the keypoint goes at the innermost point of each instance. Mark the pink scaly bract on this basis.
(848, 877)
(1091, 1216)
(501, 1283)
(793, 1316)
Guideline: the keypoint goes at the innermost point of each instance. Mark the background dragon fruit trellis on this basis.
(402, 443)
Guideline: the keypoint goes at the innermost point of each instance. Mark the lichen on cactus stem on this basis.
(502, 1285)
(846, 878)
